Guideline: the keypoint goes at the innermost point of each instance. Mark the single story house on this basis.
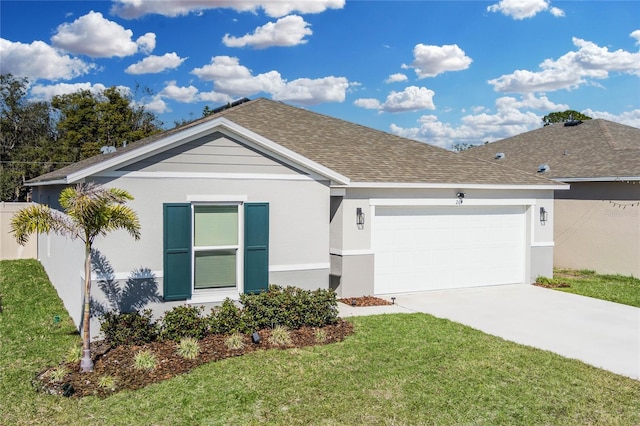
(597, 222)
(263, 192)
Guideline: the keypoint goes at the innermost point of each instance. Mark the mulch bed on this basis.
(364, 301)
(119, 362)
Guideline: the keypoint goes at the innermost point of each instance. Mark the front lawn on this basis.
(614, 288)
(395, 369)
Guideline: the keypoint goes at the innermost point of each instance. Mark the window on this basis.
(215, 246)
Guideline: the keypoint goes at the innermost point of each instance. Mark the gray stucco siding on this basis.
(213, 153)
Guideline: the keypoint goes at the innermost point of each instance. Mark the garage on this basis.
(419, 248)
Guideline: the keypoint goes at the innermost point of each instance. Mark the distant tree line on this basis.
(37, 137)
(564, 116)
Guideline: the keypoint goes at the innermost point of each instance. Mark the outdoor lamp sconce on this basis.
(460, 196)
(359, 218)
(544, 216)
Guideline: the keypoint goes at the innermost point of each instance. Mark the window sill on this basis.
(213, 296)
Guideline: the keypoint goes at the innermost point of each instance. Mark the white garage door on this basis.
(429, 248)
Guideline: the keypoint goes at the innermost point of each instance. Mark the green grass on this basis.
(614, 288)
(395, 369)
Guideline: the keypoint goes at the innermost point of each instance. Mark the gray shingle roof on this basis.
(593, 149)
(360, 153)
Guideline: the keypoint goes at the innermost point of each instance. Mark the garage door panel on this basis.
(422, 248)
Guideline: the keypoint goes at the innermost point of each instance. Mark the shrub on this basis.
(74, 353)
(144, 360)
(228, 318)
(107, 382)
(290, 307)
(183, 321)
(130, 328)
(58, 374)
(280, 336)
(235, 341)
(188, 348)
(320, 335)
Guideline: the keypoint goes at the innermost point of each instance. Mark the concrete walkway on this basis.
(603, 334)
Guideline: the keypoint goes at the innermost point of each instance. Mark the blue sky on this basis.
(442, 72)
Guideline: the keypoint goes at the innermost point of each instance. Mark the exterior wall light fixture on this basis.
(359, 218)
(544, 216)
(460, 196)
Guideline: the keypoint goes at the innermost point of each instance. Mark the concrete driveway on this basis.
(603, 334)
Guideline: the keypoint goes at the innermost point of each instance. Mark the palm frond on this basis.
(38, 219)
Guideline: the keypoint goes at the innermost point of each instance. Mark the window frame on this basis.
(214, 294)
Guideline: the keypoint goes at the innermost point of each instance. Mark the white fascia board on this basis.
(456, 186)
(601, 179)
(204, 175)
(390, 202)
(218, 124)
(49, 182)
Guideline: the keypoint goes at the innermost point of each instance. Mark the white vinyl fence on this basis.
(9, 248)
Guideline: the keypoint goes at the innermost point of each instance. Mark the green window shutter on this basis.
(177, 251)
(256, 247)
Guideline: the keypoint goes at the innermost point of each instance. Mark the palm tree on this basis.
(90, 210)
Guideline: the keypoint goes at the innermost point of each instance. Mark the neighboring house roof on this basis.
(358, 153)
(594, 150)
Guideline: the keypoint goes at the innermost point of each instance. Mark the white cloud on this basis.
(529, 101)
(282, 8)
(396, 78)
(155, 64)
(269, 82)
(308, 91)
(235, 80)
(216, 97)
(95, 36)
(367, 103)
(512, 117)
(136, 8)
(180, 94)
(412, 98)
(636, 34)
(570, 70)
(288, 31)
(521, 9)
(558, 13)
(429, 60)
(222, 67)
(146, 43)
(630, 118)
(156, 105)
(43, 92)
(38, 60)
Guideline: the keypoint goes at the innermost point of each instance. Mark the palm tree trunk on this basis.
(86, 364)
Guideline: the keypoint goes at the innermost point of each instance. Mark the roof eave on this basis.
(426, 185)
(48, 182)
(599, 179)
